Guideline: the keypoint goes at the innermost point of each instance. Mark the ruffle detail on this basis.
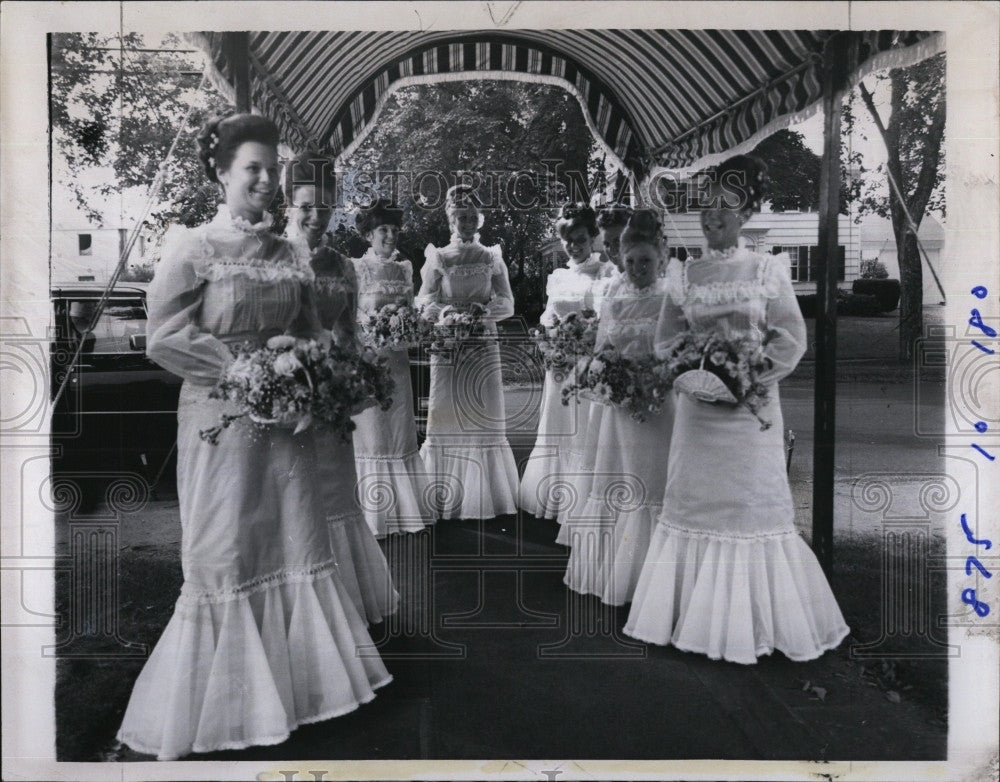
(735, 600)
(607, 557)
(362, 567)
(542, 490)
(226, 218)
(766, 283)
(250, 670)
(471, 481)
(257, 269)
(394, 493)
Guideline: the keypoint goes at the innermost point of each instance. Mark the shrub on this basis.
(873, 270)
(860, 305)
(886, 292)
(807, 304)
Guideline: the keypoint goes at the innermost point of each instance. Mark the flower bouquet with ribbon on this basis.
(565, 341)
(718, 369)
(456, 327)
(295, 383)
(609, 378)
(394, 326)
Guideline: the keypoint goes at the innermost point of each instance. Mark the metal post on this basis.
(836, 63)
(237, 47)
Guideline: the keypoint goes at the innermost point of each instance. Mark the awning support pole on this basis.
(836, 65)
(237, 47)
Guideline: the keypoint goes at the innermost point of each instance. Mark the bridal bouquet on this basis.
(297, 382)
(456, 326)
(612, 379)
(717, 368)
(566, 341)
(394, 327)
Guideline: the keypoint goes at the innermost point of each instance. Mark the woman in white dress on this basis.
(568, 290)
(610, 535)
(727, 574)
(311, 183)
(392, 484)
(264, 636)
(580, 456)
(466, 451)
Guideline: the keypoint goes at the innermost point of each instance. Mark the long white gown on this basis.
(545, 484)
(392, 485)
(623, 488)
(727, 574)
(466, 451)
(264, 636)
(360, 560)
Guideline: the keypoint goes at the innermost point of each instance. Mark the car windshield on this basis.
(120, 319)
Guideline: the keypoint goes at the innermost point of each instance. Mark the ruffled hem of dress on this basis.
(735, 600)
(395, 493)
(471, 481)
(252, 669)
(362, 567)
(605, 559)
(542, 488)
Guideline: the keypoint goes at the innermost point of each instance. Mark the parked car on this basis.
(118, 413)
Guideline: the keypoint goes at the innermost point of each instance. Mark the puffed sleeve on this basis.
(174, 339)
(307, 323)
(551, 287)
(408, 276)
(786, 329)
(501, 304)
(671, 320)
(429, 296)
(605, 315)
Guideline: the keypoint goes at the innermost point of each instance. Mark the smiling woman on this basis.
(264, 636)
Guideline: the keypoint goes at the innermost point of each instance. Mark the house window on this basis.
(84, 243)
(804, 265)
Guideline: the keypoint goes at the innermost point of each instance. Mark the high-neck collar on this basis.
(456, 239)
(227, 219)
(721, 255)
(370, 255)
(588, 266)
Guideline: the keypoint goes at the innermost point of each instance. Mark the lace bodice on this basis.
(462, 273)
(737, 291)
(575, 287)
(221, 283)
(382, 281)
(630, 316)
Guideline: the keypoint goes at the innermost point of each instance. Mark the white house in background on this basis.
(84, 252)
(878, 243)
(795, 233)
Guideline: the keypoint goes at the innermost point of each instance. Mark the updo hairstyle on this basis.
(221, 137)
(576, 215)
(743, 179)
(460, 197)
(311, 169)
(614, 216)
(382, 212)
(644, 227)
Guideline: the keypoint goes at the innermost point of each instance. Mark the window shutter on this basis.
(841, 262)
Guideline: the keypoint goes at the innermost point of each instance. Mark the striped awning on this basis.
(667, 98)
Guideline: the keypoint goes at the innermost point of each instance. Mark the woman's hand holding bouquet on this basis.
(456, 325)
(297, 382)
(395, 326)
(565, 341)
(717, 368)
(610, 378)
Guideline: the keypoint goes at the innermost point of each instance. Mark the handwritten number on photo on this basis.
(987, 544)
(972, 562)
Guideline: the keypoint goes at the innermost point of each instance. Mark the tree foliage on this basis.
(913, 133)
(116, 104)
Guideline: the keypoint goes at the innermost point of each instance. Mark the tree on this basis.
(116, 103)
(914, 134)
(793, 173)
(527, 148)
